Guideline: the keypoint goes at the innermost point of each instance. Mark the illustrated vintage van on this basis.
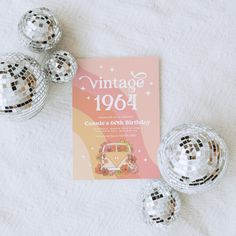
(117, 158)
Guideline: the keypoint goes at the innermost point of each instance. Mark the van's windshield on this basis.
(116, 148)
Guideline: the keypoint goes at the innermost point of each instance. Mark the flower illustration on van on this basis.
(116, 158)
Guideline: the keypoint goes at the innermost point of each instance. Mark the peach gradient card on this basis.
(116, 118)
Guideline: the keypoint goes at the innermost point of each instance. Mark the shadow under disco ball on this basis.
(192, 157)
(39, 29)
(23, 86)
(160, 203)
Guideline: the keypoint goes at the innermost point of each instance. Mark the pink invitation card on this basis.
(116, 118)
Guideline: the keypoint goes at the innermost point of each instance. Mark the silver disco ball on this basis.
(23, 86)
(160, 203)
(39, 29)
(192, 157)
(60, 67)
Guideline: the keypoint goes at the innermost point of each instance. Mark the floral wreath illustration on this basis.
(116, 158)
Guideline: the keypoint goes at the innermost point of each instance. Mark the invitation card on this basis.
(116, 118)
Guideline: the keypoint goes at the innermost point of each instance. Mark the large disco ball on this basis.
(23, 86)
(60, 67)
(160, 203)
(192, 157)
(39, 29)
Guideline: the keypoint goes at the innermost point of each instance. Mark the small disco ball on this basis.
(39, 29)
(23, 86)
(160, 203)
(192, 157)
(60, 67)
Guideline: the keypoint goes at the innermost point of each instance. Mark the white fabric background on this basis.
(196, 40)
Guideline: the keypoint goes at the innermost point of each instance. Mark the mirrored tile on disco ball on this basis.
(192, 157)
(23, 86)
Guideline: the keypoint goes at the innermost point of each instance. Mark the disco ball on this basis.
(60, 67)
(160, 203)
(23, 86)
(39, 29)
(192, 157)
